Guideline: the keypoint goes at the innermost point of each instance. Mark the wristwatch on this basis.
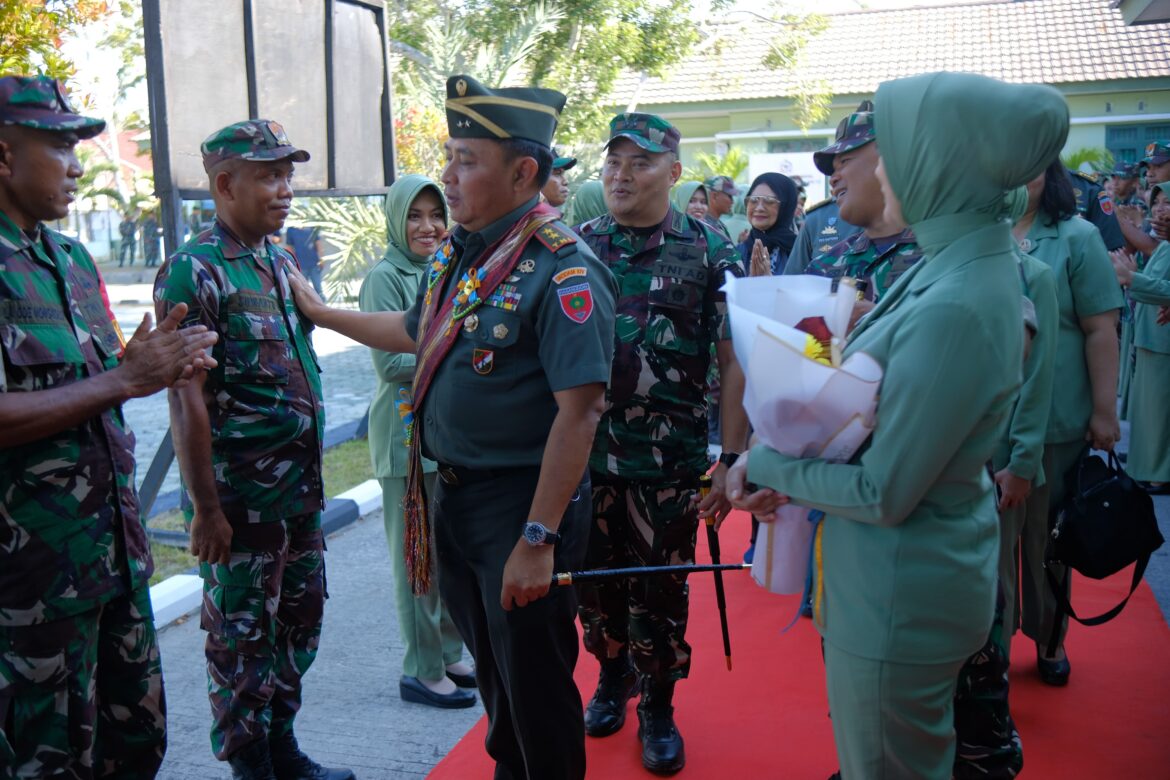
(728, 459)
(537, 534)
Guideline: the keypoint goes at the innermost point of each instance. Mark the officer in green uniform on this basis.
(248, 436)
(823, 226)
(1157, 166)
(513, 328)
(1124, 183)
(1095, 205)
(81, 691)
(910, 539)
(652, 441)
(883, 250)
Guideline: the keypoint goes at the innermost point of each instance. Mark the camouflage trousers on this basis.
(640, 524)
(262, 614)
(82, 697)
(988, 745)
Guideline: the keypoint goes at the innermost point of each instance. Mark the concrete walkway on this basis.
(352, 714)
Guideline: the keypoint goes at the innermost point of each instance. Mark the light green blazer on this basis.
(1151, 289)
(911, 533)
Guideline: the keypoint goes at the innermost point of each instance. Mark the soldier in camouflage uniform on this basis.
(823, 225)
(249, 441)
(81, 693)
(882, 251)
(651, 442)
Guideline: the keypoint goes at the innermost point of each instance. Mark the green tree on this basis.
(31, 32)
(1101, 160)
(356, 230)
(732, 165)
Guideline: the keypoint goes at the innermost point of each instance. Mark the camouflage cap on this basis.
(649, 131)
(858, 130)
(722, 184)
(1157, 153)
(253, 139)
(39, 102)
(562, 163)
(1124, 170)
(476, 111)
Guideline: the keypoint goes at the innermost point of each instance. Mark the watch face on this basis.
(534, 533)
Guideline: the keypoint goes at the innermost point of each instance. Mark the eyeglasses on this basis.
(763, 200)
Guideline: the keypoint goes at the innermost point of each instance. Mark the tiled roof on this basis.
(1046, 41)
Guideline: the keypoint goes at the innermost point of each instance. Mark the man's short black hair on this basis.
(522, 147)
(1058, 202)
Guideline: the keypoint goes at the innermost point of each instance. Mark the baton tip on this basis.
(728, 662)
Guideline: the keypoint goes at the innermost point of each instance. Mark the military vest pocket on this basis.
(675, 320)
(255, 349)
(483, 354)
(45, 356)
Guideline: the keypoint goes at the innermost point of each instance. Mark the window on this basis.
(1128, 143)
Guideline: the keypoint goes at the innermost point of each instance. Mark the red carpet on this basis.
(768, 717)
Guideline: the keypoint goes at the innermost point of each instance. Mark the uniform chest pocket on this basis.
(255, 348)
(487, 347)
(42, 355)
(675, 317)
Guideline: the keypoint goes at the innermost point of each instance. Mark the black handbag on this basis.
(1106, 523)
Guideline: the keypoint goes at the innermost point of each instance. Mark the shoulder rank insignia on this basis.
(555, 237)
(1089, 177)
(817, 205)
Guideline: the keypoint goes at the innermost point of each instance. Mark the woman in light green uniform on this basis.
(588, 203)
(433, 672)
(909, 546)
(1149, 433)
(1083, 408)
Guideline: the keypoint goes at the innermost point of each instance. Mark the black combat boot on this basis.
(606, 712)
(289, 763)
(662, 745)
(252, 762)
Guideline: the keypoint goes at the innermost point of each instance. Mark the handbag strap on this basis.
(1064, 607)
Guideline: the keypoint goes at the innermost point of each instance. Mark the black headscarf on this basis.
(781, 235)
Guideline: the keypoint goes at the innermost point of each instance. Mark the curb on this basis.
(180, 595)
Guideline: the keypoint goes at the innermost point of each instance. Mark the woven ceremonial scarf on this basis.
(438, 329)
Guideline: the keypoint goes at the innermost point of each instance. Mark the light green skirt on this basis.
(1149, 415)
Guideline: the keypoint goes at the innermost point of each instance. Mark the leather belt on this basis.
(456, 476)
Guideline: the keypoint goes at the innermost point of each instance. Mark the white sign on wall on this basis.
(793, 165)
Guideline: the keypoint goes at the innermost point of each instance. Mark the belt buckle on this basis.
(448, 475)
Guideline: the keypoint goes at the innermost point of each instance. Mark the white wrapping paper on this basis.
(798, 405)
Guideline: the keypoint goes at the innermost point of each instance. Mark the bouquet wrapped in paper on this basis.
(802, 400)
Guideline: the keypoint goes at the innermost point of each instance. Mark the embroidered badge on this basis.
(1106, 202)
(568, 273)
(483, 361)
(576, 302)
(554, 239)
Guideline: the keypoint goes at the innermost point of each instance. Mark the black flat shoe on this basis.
(1053, 672)
(462, 680)
(410, 689)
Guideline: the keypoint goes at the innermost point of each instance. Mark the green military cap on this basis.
(856, 131)
(39, 102)
(253, 139)
(562, 163)
(722, 184)
(649, 131)
(1157, 153)
(1124, 170)
(475, 111)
